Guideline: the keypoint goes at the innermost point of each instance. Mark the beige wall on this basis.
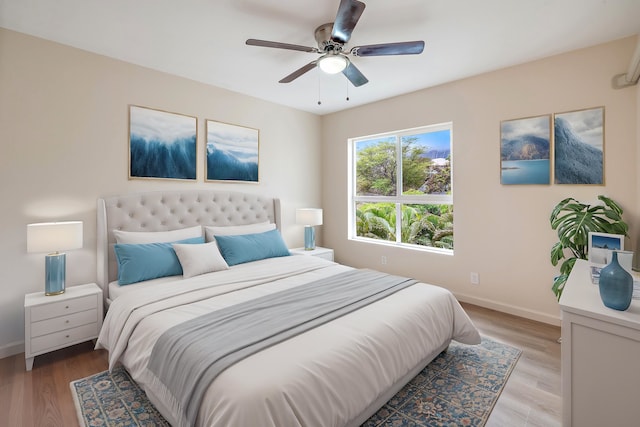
(63, 144)
(501, 232)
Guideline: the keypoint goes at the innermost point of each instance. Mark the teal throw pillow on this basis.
(139, 262)
(251, 247)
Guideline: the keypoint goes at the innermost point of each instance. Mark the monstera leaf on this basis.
(573, 221)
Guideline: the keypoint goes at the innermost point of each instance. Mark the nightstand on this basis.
(54, 322)
(318, 251)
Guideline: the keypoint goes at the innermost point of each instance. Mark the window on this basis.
(400, 188)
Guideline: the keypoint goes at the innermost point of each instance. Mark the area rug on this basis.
(459, 388)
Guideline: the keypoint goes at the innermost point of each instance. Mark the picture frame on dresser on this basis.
(601, 245)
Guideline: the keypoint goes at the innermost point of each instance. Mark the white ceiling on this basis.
(204, 40)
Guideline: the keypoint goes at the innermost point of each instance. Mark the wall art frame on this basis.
(525, 151)
(601, 245)
(162, 144)
(579, 147)
(232, 153)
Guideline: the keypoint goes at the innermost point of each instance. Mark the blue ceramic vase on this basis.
(616, 285)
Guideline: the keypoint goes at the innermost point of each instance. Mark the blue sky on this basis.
(598, 241)
(439, 140)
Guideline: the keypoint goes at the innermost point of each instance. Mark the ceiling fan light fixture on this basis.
(333, 63)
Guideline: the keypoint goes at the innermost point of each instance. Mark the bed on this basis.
(337, 373)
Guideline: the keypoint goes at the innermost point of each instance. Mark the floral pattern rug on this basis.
(459, 388)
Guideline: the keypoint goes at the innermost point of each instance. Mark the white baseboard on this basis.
(516, 311)
(11, 349)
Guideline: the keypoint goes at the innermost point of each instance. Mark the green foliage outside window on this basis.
(377, 170)
(425, 225)
(377, 174)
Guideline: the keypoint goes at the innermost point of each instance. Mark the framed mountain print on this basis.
(232, 153)
(525, 151)
(579, 147)
(161, 144)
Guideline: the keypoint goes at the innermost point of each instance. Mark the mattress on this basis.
(334, 375)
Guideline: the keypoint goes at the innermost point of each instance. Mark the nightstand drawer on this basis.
(63, 338)
(68, 306)
(63, 322)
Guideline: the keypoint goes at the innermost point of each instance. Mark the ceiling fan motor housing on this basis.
(323, 38)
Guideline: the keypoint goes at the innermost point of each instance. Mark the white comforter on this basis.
(334, 375)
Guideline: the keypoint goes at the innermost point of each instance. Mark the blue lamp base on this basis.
(309, 238)
(54, 266)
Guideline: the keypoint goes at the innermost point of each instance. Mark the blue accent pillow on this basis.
(251, 247)
(147, 261)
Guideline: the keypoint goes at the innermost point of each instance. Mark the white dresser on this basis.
(600, 357)
(54, 322)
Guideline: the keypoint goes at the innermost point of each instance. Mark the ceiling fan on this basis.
(331, 39)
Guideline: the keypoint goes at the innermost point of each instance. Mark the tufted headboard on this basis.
(171, 210)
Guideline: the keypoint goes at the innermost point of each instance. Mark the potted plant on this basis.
(574, 221)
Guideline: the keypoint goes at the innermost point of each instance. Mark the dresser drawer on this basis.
(63, 322)
(55, 309)
(64, 338)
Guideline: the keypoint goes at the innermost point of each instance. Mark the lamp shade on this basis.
(309, 216)
(54, 236)
(332, 63)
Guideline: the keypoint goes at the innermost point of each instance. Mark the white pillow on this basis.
(235, 230)
(197, 259)
(137, 237)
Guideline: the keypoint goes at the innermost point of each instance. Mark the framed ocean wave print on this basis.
(232, 153)
(579, 147)
(525, 151)
(161, 144)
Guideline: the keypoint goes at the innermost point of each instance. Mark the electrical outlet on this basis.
(383, 260)
(475, 278)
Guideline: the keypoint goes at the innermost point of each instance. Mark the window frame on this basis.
(399, 199)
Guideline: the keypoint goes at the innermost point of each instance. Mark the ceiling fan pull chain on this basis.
(347, 84)
(319, 95)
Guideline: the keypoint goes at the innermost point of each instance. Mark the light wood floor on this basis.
(531, 397)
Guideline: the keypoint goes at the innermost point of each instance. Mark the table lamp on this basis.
(53, 237)
(309, 217)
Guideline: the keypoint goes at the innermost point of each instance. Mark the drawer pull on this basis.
(66, 336)
(66, 321)
(66, 306)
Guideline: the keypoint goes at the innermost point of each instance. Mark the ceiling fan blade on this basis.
(348, 15)
(300, 71)
(401, 48)
(278, 45)
(354, 75)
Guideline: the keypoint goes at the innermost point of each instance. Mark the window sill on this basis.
(430, 249)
